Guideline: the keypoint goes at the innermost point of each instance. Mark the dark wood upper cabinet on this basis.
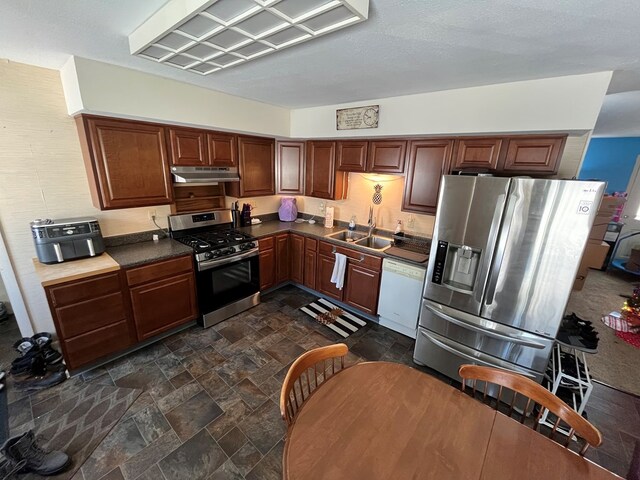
(127, 162)
(352, 155)
(427, 161)
(222, 149)
(256, 164)
(322, 178)
(535, 155)
(386, 156)
(290, 163)
(480, 153)
(188, 147)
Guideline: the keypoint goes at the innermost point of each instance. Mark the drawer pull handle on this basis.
(333, 250)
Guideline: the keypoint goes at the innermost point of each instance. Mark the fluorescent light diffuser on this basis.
(206, 36)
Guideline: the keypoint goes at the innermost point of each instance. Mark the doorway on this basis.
(9, 331)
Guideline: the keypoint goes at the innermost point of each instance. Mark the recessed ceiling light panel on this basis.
(205, 36)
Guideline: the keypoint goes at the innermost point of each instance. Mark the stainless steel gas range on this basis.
(227, 263)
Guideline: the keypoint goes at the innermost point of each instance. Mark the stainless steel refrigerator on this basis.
(504, 255)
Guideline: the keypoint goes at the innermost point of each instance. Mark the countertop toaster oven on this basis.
(66, 239)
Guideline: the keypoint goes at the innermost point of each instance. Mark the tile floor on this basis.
(209, 407)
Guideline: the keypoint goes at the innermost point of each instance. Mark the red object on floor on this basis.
(631, 338)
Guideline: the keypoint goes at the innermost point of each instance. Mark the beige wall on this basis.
(42, 174)
(563, 104)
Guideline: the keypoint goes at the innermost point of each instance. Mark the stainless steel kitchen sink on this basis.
(346, 236)
(374, 242)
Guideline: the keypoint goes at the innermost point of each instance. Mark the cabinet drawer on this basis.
(157, 270)
(365, 260)
(266, 243)
(311, 244)
(81, 290)
(91, 346)
(90, 315)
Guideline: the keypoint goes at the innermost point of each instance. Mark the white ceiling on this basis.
(406, 46)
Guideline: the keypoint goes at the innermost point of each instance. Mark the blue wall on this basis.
(611, 160)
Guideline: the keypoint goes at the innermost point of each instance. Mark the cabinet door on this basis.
(126, 162)
(428, 160)
(188, 147)
(297, 258)
(282, 258)
(536, 155)
(479, 153)
(362, 288)
(386, 156)
(222, 149)
(164, 304)
(323, 281)
(267, 269)
(310, 260)
(256, 162)
(322, 179)
(290, 168)
(352, 156)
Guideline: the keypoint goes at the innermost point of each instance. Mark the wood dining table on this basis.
(381, 420)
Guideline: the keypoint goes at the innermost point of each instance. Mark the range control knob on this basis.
(208, 255)
(230, 251)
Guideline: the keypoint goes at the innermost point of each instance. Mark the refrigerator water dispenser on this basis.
(456, 266)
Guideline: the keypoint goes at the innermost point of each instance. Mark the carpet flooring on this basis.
(617, 363)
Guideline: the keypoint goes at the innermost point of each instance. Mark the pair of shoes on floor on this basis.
(578, 332)
(39, 364)
(23, 454)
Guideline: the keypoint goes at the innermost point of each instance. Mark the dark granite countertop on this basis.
(134, 254)
(318, 231)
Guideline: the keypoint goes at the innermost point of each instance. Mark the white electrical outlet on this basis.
(321, 207)
(151, 214)
(411, 223)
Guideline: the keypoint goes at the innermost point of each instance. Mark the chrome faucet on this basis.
(371, 223)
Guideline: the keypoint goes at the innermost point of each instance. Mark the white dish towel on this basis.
(339, 268)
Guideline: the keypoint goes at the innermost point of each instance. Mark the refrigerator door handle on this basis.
(500, 249)
(483, 331)
(497, 363)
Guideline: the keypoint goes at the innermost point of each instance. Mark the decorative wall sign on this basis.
(357, 117)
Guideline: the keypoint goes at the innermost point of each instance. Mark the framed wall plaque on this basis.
(358, 117)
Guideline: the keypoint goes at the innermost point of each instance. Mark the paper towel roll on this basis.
(328, 217)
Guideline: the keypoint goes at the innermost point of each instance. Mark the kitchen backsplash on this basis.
(357, 203)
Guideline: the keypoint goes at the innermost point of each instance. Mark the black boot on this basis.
(9, 470)
(51, 355)
(29, 351)
(25, 448)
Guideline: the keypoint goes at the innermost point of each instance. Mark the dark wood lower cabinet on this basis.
(323, 282)
(362, 287)
(164, 304)
(282, 258)
(267, 262)
(297, 258)
(91, 318)
(310, 262)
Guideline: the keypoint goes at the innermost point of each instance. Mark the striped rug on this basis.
(345, 323)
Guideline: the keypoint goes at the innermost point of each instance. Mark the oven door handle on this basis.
(209, 264)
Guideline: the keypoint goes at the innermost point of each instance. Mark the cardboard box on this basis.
(597, 233)
(594, 255)
(581, 277)
(609, 204)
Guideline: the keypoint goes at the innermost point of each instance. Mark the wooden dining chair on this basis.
(298, 378)
(535, 394)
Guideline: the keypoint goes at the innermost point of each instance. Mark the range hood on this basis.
(205, 175)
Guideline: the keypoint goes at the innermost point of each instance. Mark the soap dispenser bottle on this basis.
(351, 228)
(398, 231)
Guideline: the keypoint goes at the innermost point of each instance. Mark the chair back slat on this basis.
(298, 375)
(536, 394)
